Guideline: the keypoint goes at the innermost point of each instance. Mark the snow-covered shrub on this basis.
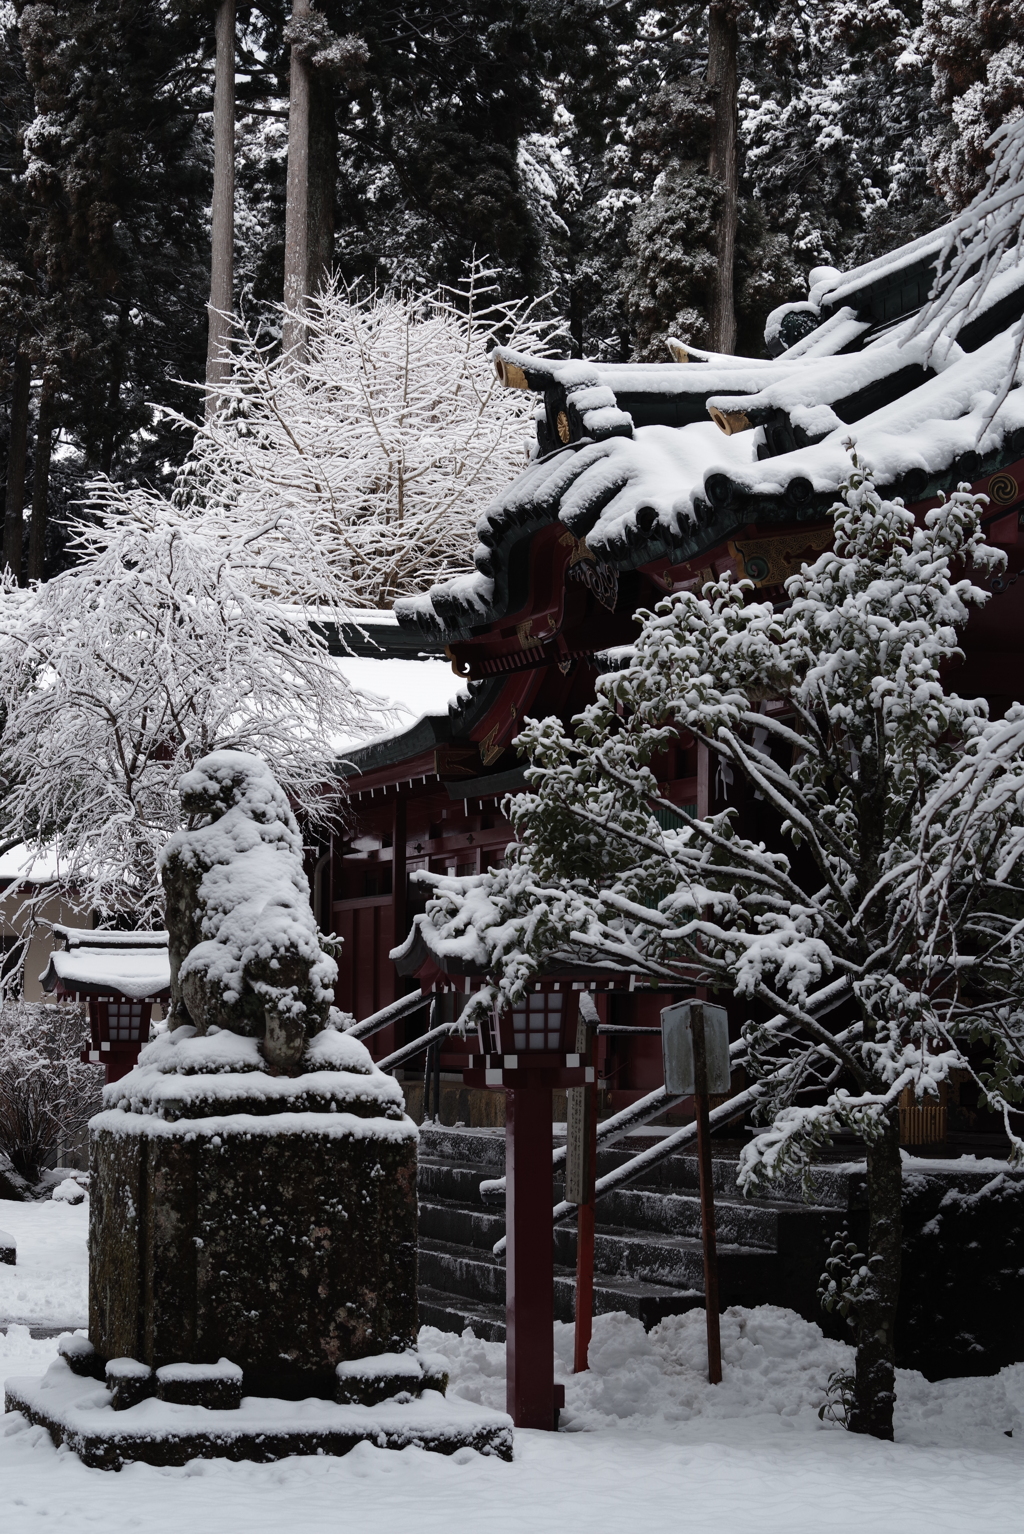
(243, 943)
(879, 926)
(47, 1095)
(388, 440)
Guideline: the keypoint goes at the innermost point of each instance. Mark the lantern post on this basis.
(527, 1053)
(120, 975)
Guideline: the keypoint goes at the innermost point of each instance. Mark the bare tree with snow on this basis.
(863, 900)
(982, 245)
(47, 1095)
(387, 439)
(175, 634)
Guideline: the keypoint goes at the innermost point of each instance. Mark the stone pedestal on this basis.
(268, 1220)
(252, 1248)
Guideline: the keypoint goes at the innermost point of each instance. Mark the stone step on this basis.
(668, 1262)
(458, 1156)
(823, 1186)
(667, 1255)
(449, 1180)
(473, 1227)
(653, 1257)
(648, 1253)
(741, 1222)
(673, 1217)
(649, 1303)
(455, 1181)
(462, 1272)
(483, 1148)
(453, 1313)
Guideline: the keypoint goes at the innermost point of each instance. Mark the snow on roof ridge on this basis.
(893, 260)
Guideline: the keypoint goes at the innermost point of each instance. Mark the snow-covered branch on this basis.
(388, 441)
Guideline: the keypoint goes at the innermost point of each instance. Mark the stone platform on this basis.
(78, 1412)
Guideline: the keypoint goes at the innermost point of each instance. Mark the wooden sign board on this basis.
(677, 1047)
(579, 1173)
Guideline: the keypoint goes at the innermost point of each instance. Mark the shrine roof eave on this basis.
(404, 747)
(469, 607)
(461, 611)
(770, 442)
(395, 750)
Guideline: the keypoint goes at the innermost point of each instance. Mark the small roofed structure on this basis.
(120, 975)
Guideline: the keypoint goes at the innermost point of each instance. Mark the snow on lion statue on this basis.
(244, 946)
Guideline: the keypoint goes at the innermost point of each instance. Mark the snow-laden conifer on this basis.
(862, 898)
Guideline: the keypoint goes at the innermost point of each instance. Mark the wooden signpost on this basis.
(695, 1046)
(580, 1172)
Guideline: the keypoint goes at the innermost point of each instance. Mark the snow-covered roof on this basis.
(137, 974)
(98, 938)
(742, 440)
(28, 867)
(407, 689)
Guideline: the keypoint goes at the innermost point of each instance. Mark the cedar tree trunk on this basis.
(323, 172)
(722, 165)
(41, 484)
(296, 219)
(17, 457)
(218, 362)
(874, 1393)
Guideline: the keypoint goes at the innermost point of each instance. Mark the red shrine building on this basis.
(648, 479)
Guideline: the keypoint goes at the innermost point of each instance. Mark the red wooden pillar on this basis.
(529, 1258)
(586, 1215)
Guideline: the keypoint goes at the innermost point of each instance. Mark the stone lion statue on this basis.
(244, 947)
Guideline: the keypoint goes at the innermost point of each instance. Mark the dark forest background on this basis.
(566, 142)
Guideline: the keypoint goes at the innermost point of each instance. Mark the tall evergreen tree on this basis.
(977, 53)
(118, 174)
(105, 184)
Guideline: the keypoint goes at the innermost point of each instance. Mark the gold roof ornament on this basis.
(510, 374)
(730, 421)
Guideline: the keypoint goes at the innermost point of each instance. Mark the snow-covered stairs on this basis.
(647, 1250)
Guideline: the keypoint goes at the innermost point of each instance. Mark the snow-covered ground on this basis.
(49, 1285)
(648, 1444)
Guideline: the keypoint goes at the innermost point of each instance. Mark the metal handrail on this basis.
(416, 1046)
(735, 1108)
(725, 1113)
(641, 1112)
(394, 1012)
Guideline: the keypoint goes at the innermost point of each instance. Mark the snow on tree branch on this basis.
(982, 246)
(388, 441)
(175, 634)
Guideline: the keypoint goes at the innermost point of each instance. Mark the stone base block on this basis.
(365, 1381)
(286, 1243)
(78, 1413)
(218, 1386)
(80, 1355)
(129, 1382)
